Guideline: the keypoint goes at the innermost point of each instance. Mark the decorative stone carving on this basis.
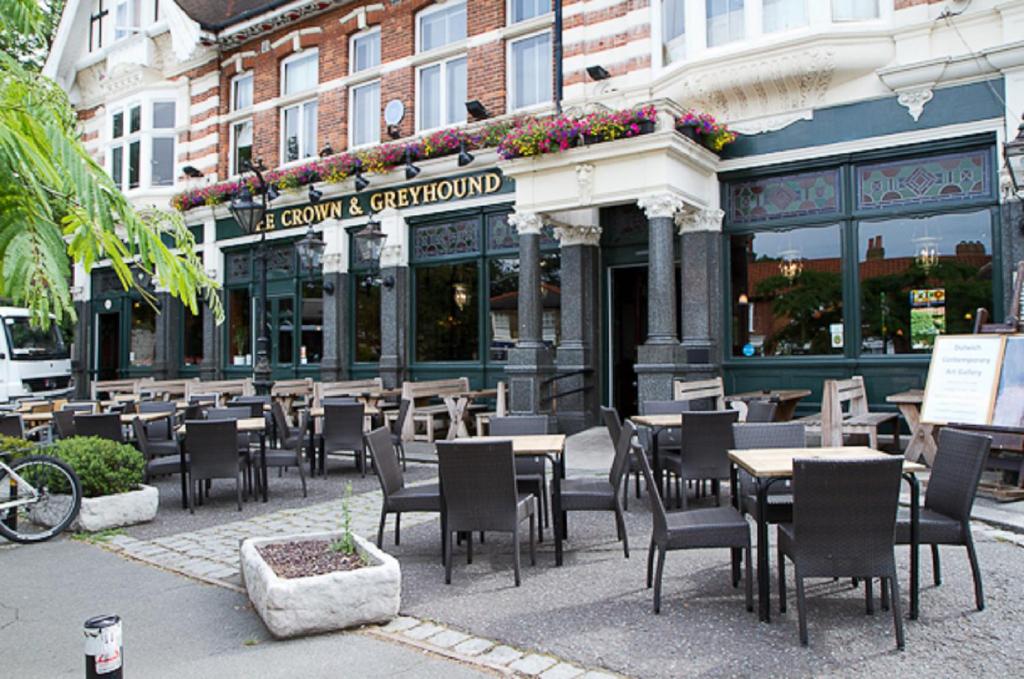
(392, 256)
(333, 262)
(585, 180)
(914, 101)
(571, 234)
(771, 123)
(690, 221)
(526, 222)
(660, 205)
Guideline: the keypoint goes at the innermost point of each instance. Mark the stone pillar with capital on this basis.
(394, 304)
(334, 363)
(209, 366)
(700, 232)
(576, 355)
(168, 339)
(660, 358)
(530, 365)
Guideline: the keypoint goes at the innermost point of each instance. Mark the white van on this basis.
(33, 362)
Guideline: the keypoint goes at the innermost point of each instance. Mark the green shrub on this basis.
(16, 448)
(103, 466)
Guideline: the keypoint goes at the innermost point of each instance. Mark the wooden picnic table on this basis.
(786, 400)
(768, 465)
(458, 406)
(922, 435)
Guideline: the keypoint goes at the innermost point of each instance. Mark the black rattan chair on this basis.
(398, 497)
(212, 448)
(706, 440)
(396, 428)
(105, 426)
(945, 518)
(162, 456)
(290, 441)
(343, 431)
(478, 483)
(712, 527)
(531, 472)
(761, 411)
(243, 440)
(64, 423)
(780, 493)
(844, 519)
(13, 426)
(161, 429)
(612, 422)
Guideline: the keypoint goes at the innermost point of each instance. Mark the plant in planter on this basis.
(619, 124)
(705, 130)
(16, 448)
(320, 582)
(111, 476)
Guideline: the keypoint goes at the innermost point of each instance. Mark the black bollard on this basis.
(103, 648)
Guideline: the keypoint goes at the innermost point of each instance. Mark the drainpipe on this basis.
(557, 54)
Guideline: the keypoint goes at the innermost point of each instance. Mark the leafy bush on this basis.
(16, 448)
(104, 467)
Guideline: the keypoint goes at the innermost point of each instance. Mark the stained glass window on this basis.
(785, 197)
(954, 177)
(461, 237)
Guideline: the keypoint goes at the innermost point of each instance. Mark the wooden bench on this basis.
(222, 388)
(289, 391)
(483, 420)
(424, 410)
(114, 387)
(836, 421)
(322, 390)
(168, 390)
(698, 390)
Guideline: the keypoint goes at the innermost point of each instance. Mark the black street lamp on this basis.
(369, 246)
(249, 213)
(1013, 152)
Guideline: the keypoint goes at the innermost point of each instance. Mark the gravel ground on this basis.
(596, 610)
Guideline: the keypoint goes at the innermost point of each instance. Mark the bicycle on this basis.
(43, 496)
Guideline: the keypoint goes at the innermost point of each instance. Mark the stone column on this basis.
(81, 350)
(530, 365)
(700, 305)
(209, 367)
(577, 349)
(334, 364)
(660, 358)
(168, 337)
(394, 306)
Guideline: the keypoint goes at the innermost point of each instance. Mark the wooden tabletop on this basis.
(777, 463)
(531, 444)
(248, 424)
(773, 395)
(912, 396)
(125, 419)
(675, 420)
(367, 410)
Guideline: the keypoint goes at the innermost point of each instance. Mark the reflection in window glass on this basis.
(192, 342)
(725, 21)
(311, 349)
(367, 319)
(787, 292)
(922, 277)
(285, 327)
(448, 327)
(143, 340)
(239, 332)
(673, 29)
(503, 306)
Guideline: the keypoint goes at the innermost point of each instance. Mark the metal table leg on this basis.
(763, 575)
(915, 538)
(264, 478)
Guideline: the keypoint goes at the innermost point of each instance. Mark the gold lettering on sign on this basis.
(389, 200)
(286, 218)
(416, 193)
(430, 193)
(354, 208)
(444, 190)
(376, 202)
(403, 197)
(268, 222)
(476, 185)
(460, 187)
(492, 183)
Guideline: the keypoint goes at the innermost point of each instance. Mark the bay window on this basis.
(531, 71)
(673, 29)
(162, 144)
(241, 91)
(125, 149)
(783, 15)
(127, 18)
(142, 145)
(725, 21)
(854, 10)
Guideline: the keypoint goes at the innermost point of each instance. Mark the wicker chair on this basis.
(243, 440)
(212, 453)
(531, 472)
(398, 497)
(13, 426)
(396, 428)
(706, 440)
(780, 494)
(159, 429)
(343, 431)
(478, 481)
(761, 411)
(162, 457)
(945, 518)
(64, 423)
(712, 527)
(106, 426)
(844, 518)
(289, 441)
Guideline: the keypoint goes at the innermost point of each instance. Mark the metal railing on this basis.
(551, 398)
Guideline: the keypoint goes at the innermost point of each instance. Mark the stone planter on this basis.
(109, 511)
(292, 607)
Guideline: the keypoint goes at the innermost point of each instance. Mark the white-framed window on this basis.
(127, 18)
(242, 91)
(364, 116)
(440, 25)
(854, 10)
(143, 140)
(521, 10)
(725, 21)
(364, 50)
(673, 29)
(241, 145)
(441, 94)
(298, 131)
(530, 71)
(300, 72)
(126, 147)
(161, 155)
(783, 15)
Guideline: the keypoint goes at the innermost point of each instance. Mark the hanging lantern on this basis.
(792, 265)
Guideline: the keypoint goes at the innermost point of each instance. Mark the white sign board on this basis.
(962, 379)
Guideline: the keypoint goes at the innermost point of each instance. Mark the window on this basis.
(127, 18)
(783, 15)
(447, 312)
(367, 319)
(854, 10)
(192, 337)
(787, 292)
(162, 144)
(239, 327)
(300, 73)
(142, 351)
(725, 21)
(442, 94)
(365, 127)
(96, 21)
(365, 51)
(503, 303)
(528, 9)
(311, 336)
(241, 92)
(442, 25)
(125, 150)
(241, 146)
(673, 29)
(922, 277)
(299, 125)
(531, 71)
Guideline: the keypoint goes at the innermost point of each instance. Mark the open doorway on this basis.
(108, 345)
(627, 316)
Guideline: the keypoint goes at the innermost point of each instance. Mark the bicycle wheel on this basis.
(48, 497)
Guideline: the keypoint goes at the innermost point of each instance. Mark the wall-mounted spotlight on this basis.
(477, 110)
(272, 192)
(465, 157)
(361, 181)
(410, 170)
(394, 131)
(314, 194)
(327, 150)
(598, 73)
(192, 172)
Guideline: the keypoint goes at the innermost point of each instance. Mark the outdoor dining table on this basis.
(922, 436)
(786, 400)
(769, 465)
(125, 418)
(657, 424)
(552, 447)
(457, 405)
(246, 425)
